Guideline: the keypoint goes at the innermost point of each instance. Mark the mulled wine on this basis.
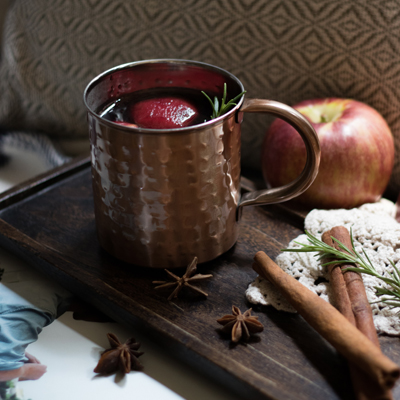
(159, 108)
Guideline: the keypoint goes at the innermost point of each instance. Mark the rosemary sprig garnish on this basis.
(218, 109)
(364, 265)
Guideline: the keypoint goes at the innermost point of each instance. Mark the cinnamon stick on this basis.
(364, 388)
(355, 287)
(338, 285)
(332, 325)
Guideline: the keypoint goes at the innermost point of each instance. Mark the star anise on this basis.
(121, 356)
(184, 281)
(240, 325)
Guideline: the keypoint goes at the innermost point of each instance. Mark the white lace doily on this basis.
(374, 229)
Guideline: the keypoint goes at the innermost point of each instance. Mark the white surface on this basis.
(70, 349)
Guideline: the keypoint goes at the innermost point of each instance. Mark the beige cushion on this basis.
(285, 50)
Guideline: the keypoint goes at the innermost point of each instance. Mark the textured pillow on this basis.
(284, 50)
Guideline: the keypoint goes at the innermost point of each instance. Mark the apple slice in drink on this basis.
(163, 113)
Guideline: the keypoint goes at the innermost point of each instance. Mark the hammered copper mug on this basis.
(164, 196)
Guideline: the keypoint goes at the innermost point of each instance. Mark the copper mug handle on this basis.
(313, 149)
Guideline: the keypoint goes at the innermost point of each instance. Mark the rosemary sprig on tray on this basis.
(364, 263)
(220, 109)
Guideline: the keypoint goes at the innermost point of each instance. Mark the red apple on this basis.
(357, 153)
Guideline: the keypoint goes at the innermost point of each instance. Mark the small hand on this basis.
(32, 371)
(31, 359)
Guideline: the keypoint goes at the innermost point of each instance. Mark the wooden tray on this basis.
(49, 222)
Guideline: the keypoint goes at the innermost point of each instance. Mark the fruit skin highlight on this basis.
(163, 113)
(357, 153)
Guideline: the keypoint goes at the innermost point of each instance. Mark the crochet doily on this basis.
(374, 229)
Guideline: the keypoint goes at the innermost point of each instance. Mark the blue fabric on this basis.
(20, 325)
(26, 307)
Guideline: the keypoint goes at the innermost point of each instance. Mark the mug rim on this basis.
(121, 67)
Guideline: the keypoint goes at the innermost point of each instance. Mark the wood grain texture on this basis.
(53, 228)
